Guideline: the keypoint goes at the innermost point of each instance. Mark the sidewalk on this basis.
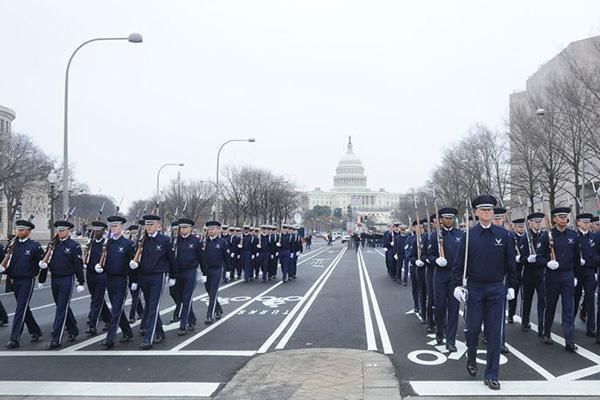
(315, 374)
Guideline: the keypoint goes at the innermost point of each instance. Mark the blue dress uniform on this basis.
(227, 270)
(512, 304)
(401, 270)
(446, 306)
(533, 276)
(236, 253)
(155, 264)
(119, 252)
(590, 259)
(96, 282)
(264, 253)
(189, 256)
(296, 249)
(411, 242)
(3, 313)
(429, 270)
(491, 260)
(136, 301)
(23, 269)
(247, 248)
(420, 272)
(274, 253)
(64, 265)
(388, 244)
(284, 246)
(215, 258)
(560, 278)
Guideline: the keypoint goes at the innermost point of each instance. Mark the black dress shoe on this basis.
(504, 349)
(590, 334)
(72, 338)
(472, 368)
(571, 347)
(548, 340)
(35, 338)
(403, 283)
(174, 319)
(181, 332)
(142, 332)
(53, 345)
(159, 339)
(209, 321)
(484, 341)
(91, 331)
(439, 339)
(12, 345)
(430, 329)
(126, 338)
(131, 321)
(107, 344)
(597, 339)
(145, 346)
(451, 348)
(511, 320)
(218, 315)
(526, 327)
(3, 323)
(492, 384)
(191, 327)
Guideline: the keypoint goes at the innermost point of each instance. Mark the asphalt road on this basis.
(341, 298)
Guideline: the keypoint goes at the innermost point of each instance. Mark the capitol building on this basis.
(350, 189)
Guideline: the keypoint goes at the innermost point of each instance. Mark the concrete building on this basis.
(350, 189)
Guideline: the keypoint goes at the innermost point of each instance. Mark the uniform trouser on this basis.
(238, 265)
(228, 268)
(430, 294)
(92, 279)
(264, 259)
(136, 304)
(274, 258)
(152, 287)
(422, 291)
(485, 304)
(175, 293)
(402, 271)
(23, 289)
(256, 264)
(390, 262)
(248, 264)
(3, 314)
(212, 288)
(414, 285)
(284, 259)
(587, 284)
(560, 283)
(188, 279)
(446, 306)
(533, 282)
(293, 264)
(512, 304)
(62, 290)
(116, 286)
(97, 304)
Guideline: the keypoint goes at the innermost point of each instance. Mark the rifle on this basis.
(428, 220)
(55, 239)
(512, 230)
(440, 238)
(548, 226)
(596, 194)
(529, 242)
(418, 230)
(464, 280)
(88, 246)
(10, 248)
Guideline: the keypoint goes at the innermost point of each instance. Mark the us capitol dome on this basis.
(350, 189)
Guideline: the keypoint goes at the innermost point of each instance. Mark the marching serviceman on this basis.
(247, 250)
(284, 249)
(3, 313)
(484, 261)
(417, 257)
(409, 248)
(136, 301)
(175, 290)
(23, 267)
(274, 253)
(446, 306)
(533, 272)
(264, 253)
(189, 256)
(63, 260)
(114, 264)
(225, 236)
(590, 260)
(388, 244)
(296, 249)
(518, 233)
(153, 258)
(96, 282)
(215, 258)
(560, 251)
(401, 265)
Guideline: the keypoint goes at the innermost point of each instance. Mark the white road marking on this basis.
(108, 389)
(283, 342)
(269, 342)
(369, 329)
(582, 373)
(385, 339)
(52, 304)
(103, 353)
(509, 388)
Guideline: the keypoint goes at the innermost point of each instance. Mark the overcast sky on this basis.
(403, 78)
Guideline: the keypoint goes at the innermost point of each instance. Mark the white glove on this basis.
(40, 285)
(43, 265)
(252, 257)
(272, 256)
(531, 258)
(292, 255)
(460, 294)
(2, 269)
(238, 257)
(232, 255)
(517, 259)
(134, 286)
(84, 266)
(203, 278)
(171, 282)
(575, 282)
(240, 246)
(395, 256)
(80, 288)
(385, 249)
(392, 244)
(441, 261)
(582, 261)
(296, 254)
(133, 264)
(98, 268)
(277, 254)
(278, 244)
(553, 265)
(510, 294)
(258, 246)
(419, 263)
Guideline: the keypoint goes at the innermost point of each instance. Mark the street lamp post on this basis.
(132, 38)
(158, 181)
(52, 180)
(217, 202)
